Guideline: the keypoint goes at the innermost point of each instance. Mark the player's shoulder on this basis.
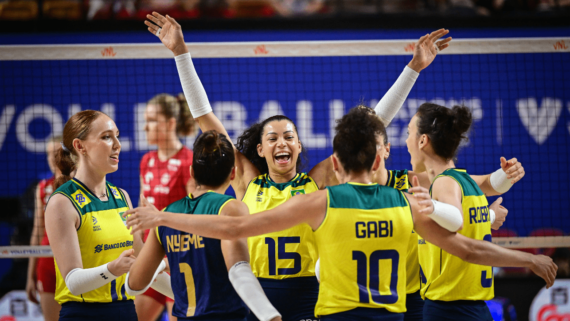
(233, 207)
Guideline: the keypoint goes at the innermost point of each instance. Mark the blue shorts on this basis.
(364, 314)
(294, 298)
(414, 307)
(460, 310)
(113, 311)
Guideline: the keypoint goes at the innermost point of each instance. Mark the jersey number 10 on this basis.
(369, 270)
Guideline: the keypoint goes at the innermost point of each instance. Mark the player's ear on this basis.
(191, 171)
(376, 164)
(387, 154)
(233, 174)
(423, 141)
(260, 150)
(335, 163)
(78, 146)
(172, 124)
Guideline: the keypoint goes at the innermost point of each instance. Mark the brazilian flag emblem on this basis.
(297, 192)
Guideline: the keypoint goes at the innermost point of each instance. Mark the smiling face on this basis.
(280, 146)
(157, 127)
(415, 145)
(99, 151)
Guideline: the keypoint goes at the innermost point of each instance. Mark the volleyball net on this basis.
(517, 89)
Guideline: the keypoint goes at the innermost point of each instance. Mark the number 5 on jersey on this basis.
(282, 254)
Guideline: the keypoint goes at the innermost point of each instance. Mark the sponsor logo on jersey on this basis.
(259, 195)
(421, 241)
(104, 247)
(80, 198)
(151, 162)
(297, 192)
(173, 164)
(115, 192)
(165, 179)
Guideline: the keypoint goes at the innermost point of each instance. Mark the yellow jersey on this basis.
(363, 245)
(102, 238)
(446, 277)
(285, 254)
(399, 180)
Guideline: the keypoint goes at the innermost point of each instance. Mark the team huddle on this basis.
(347, 240)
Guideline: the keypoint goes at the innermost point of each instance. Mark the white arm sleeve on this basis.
(447, 216)
(248, 288)
(500, 182)
(163, 286)
(80, 281)
(318, 269)
(393, 100)
(192, 86)
(130, 291)
(492, 216)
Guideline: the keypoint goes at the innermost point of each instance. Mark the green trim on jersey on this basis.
(398, 179)
(468, 185)
(264, 181)
(366, 196)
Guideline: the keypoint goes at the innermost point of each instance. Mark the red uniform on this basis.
(164, 182)
(45, 269)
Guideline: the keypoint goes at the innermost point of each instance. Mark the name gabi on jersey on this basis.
(181, 243)
(374, 229)
(105, 247)
(478, 214)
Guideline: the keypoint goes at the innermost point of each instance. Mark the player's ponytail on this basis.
(355, 141)
(177, 108)
(446, 128)
(213, 160)
(247, 144)
(66, 158)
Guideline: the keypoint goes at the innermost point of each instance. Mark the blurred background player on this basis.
(41, 271)
(91, 246)
(268, 173)
(199, 266)
(164, 174)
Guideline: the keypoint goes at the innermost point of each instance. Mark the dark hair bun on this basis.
(462, 119)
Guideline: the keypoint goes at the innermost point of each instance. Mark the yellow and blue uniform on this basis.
(102, 238)
(452, 287)
(363, 245)
(199, 277)
(399, 180)
(284, 261)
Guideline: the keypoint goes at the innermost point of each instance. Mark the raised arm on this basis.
(500, 181)
(424, 53)
(309, 208)
(170, 33)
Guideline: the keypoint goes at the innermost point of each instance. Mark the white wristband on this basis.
(318, 269)
(500, 182)
(447, 216)
(491, 216)
(130, 291)
(192, 86)
(163, 285)
(248, 288)
(390, 104)
(80, 281)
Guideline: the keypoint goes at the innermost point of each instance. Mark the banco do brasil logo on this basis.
(98, 248)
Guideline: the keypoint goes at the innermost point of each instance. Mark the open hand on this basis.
(143, 217)
(513, 169)
(544, 267)
(170, 32)
(425, 49)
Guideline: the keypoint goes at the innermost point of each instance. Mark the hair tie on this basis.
(64, 148)
(433, 124)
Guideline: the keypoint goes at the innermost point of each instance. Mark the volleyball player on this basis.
(452, 288)
(267, 174)
(41, 271)
(362, 230)
(199, 266)
(164, 174)
(91, 246)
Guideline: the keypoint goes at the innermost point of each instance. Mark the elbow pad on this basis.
(130, 291)
(248, 288)
(80, 281)
(192, 86)
(447, 216)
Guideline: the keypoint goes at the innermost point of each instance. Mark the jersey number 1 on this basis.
(190, 288)
(283, 255)
(363, 267)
